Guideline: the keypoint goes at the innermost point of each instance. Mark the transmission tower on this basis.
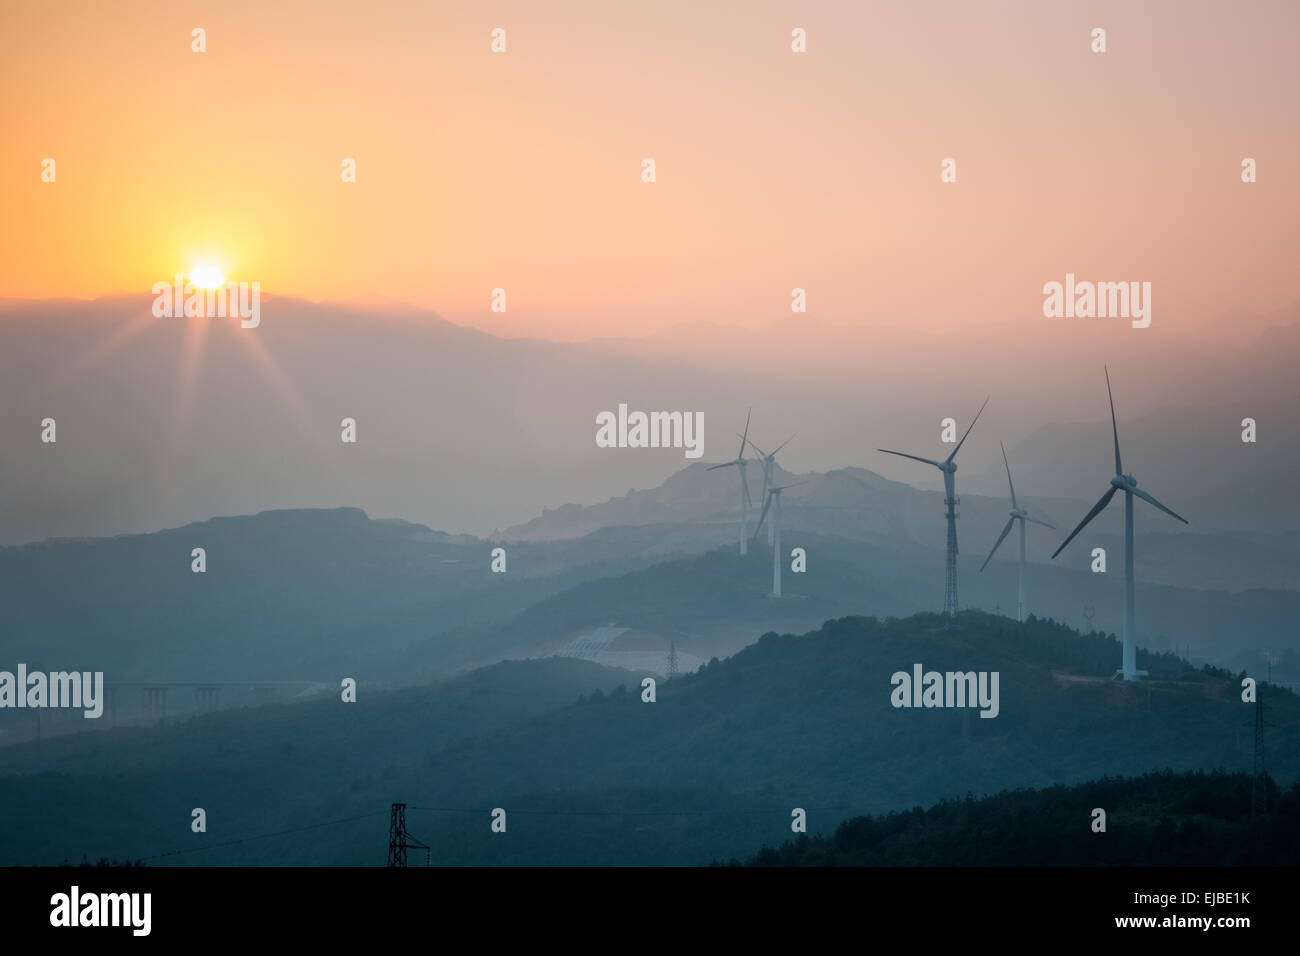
(399, 839)
(672, 660)
(1258, 793)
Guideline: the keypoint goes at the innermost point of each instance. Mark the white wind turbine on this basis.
(741, 462)
(1127, 484)
(1017, 514)
(774, 495)
(768, 462)
(949, 468)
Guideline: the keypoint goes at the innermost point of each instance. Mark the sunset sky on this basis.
(522, 170)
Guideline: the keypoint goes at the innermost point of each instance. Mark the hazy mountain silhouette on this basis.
(465, 431)
(1195, 456)
(855, 503)
(315, 595)
(301, 595)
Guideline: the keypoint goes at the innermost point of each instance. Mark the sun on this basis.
(207, 277)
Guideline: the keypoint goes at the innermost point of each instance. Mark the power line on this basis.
(763, 811)
(646, 813)
(263, 836)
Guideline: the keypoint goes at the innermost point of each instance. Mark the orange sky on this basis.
(776, 170)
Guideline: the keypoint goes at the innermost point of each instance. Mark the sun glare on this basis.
(207, 277)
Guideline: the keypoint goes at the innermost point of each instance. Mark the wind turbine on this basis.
(1127, 484)
(768, 461)
(1017, 514)
(740, 462)
(774, 495)
(949, 468)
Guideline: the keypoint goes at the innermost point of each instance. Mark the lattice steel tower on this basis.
(1258, 790)
(399, 839)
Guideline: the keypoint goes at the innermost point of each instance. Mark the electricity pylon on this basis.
(399, 839)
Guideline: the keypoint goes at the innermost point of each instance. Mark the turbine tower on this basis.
(949, 468)
(1017, 514)
(774, 496)
(1128, 484)
(768, 462)
(741, 462)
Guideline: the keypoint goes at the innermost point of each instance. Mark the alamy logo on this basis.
(653, 430)
(953, 689)
(102, 909)
(56, 689)
(1102, 300)
(209, 296)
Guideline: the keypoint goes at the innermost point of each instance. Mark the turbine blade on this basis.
(1009, 484)
(1045, 524)
(725, 464)
(759, 527)
(1002, 537)
(968, 428)
(1096, 510)
(793, 484)
(1146, 497)
(761, 453)
(744, 484)
(782, 445)
(745, 437)
(928, 461)
(1119, 466)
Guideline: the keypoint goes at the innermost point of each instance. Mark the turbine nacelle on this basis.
(1124, 482)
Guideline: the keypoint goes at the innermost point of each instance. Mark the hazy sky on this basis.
(522, 170)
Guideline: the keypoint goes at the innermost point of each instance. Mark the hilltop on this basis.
(710, 770)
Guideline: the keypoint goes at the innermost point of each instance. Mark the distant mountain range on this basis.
(1192, 459)
(314, 595)
(301, 595)
(164, 422)
(855, 503)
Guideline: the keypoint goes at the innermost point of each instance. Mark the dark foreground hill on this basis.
(1159, 819)
(590, 774)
